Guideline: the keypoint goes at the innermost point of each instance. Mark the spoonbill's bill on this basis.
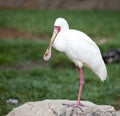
(79, 48)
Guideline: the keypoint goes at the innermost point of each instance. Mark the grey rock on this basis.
(56, 108)
(12, 101)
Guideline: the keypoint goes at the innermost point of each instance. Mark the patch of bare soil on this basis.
(25, 67)
(61, 4)
(17, 34)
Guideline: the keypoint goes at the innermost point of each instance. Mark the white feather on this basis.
(80, 49)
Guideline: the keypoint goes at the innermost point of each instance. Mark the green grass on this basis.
(52, 81)
(46, 83)
(21, 51)
(94, 23)
(21, 79)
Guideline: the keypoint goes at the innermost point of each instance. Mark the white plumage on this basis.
(78, 47)
(81, 50)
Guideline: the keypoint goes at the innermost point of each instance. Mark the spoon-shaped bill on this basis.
(47, 54)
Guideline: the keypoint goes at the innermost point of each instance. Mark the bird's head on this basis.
(59, 25)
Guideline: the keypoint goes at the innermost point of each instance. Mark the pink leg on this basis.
(81, 85)
(78, 105)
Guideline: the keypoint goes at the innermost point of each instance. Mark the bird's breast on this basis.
(59, 43)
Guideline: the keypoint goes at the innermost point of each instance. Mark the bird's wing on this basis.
(84, 38)
(87, 39)
(81, 48)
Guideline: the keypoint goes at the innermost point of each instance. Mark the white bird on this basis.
(80, 49)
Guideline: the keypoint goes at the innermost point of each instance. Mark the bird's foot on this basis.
(73, 106)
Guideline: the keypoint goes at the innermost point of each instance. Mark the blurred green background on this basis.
(24, 76)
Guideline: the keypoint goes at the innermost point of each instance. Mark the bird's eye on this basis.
(58, 28)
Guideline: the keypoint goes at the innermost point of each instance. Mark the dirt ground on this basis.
(61, 4)
(17, 34)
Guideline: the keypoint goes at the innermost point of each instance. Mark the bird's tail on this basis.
(102, 72)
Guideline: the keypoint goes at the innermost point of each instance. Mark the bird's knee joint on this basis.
(82, 82)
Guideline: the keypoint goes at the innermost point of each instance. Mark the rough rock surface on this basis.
(56, 108)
